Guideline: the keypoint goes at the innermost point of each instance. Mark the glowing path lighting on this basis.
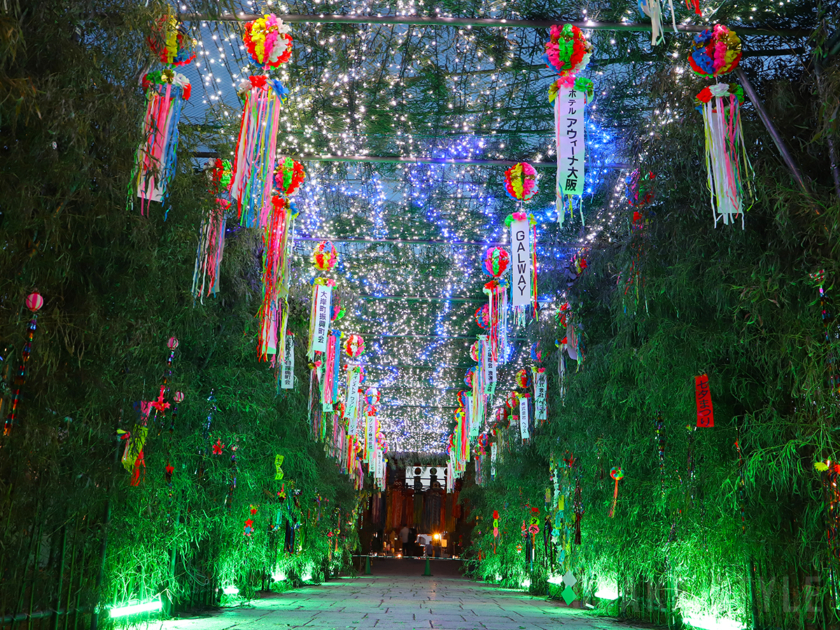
(134, 609)
(607, 590)
(708, 622)
(230, 590)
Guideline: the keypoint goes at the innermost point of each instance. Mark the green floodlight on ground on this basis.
(230, 590)
(134, 609)
(710, 622)
(607, 590)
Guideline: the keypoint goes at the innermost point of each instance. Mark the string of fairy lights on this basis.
(444, 92)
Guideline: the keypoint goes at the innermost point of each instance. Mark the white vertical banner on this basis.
(570, 134)
(287, 369)
(493, 451)
(524, 420)
(352, 396)
(320, 327)
(371, 436)
(520, 280)
(540, 390)
(490, 383)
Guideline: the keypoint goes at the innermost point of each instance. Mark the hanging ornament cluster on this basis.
(267, 41)
(278, 241)
(568, 53)
(639, 189)
(727, 164)
(521, 182)
(715, 52)
(166, 91)
(211, 236)
(523, 379)
(269, 45)
(34, 302)
(324, 256)
(288, 176)
(496, 262)
(354, 346)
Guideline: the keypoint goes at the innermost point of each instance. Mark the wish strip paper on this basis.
(287, 370)
(524, 419)
(520, 281)
(540, 389)
(352, 400)
(703, 396)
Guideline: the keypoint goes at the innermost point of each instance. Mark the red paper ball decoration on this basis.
(523, 378)
(178, 397)
(482, 317)
(172, 343)
(474, 351)
(354, 346)
(34, 301)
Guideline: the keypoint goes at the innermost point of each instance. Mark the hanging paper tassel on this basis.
(34, 302)
(166, 92)
(617, 475)
(726, 160)
(273, 312)
(269, 44)
(256, 149)
(653, 10)
(211, 239)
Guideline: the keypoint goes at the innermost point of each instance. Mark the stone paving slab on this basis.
(399, 603)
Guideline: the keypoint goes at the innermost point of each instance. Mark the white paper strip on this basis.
(572, 147)
(524, 420)
(540, 390)
(287, 371)
(493, 451)
(322, 319)
(520, 281)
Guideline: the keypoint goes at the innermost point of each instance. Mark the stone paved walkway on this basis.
(400, 603)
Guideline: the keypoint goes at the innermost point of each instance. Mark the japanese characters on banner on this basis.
(540, 390)
(493, 456)
(287, 370)
(524, 419)
(572, 147)
(703, 397)
(520, 282)
(319, 316)
(351, 403)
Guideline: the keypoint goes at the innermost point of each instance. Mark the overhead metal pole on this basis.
(399, 159)
(409, 20)
(771, 129)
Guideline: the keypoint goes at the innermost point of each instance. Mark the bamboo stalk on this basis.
(60, 576)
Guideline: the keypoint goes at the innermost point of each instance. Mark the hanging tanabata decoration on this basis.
(639, 188)
(496, 264)
(319, 316)
(277, 253)
(166, 91)
(540, 380)
(523, 379)
(568, 53)
(521, 181)
(34, 302)
(523, 282)
(617, 475)
(324, 256)
(715, 52)
(269, 44)
(288, 176)
(726, 160)
(287, 367)
(211, 235)
(653, 10)
(354, 346)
